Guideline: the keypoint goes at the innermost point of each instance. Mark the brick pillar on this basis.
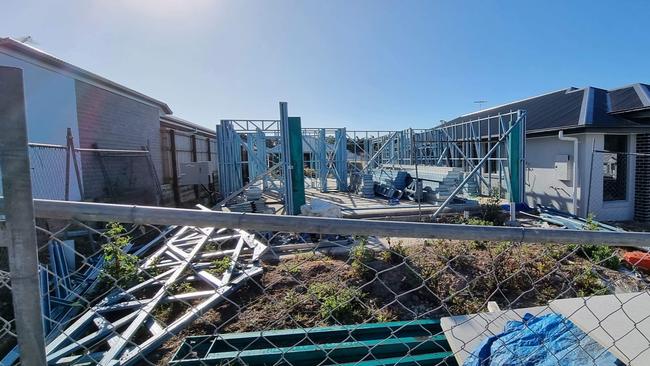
(642, 188)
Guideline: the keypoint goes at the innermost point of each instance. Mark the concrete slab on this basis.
(465, 332)
(620, 323)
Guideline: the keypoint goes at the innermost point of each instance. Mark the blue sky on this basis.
(364, 65)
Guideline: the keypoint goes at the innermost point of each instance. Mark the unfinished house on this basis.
(580, 150)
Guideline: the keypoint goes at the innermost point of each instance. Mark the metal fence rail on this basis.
(214, 274)
(176, 216)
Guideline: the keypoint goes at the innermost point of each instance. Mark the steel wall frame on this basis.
(339, 152)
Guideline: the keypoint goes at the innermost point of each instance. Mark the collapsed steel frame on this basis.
(489, 150)
(105, 334)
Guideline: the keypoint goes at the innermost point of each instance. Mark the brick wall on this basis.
(112, 121)
(642, 196)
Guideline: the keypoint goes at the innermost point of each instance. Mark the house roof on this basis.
(587, 107)
(177, 123)
(22, 50)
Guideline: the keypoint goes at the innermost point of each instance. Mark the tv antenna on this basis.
(480, 104)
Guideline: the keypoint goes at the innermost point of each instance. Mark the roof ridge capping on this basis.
(28, 51)
(587, 106)
(643, 90)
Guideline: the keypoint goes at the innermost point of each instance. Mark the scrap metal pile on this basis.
(124, 327)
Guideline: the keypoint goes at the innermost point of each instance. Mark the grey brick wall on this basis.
(112, 121)
(642, 188)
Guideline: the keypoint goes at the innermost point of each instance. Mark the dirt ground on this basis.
(407, 279)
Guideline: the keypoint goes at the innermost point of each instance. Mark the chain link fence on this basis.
(202, 293)
(91, 283)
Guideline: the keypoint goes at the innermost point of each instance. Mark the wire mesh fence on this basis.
(119, 176)
(315, 291)
(49, 166)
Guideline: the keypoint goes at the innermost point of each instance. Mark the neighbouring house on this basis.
(614, 123)
(184, 142)
(101, 114)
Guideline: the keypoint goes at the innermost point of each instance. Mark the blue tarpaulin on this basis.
(544, 341)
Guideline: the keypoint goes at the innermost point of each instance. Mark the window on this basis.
(615, 168)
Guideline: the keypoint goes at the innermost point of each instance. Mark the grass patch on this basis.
(338, 302)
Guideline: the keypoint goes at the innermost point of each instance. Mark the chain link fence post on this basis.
(19, 213)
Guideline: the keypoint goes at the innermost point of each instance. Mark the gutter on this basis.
(574, 194)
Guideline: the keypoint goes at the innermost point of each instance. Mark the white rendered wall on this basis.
(50, 104)
(542, 185)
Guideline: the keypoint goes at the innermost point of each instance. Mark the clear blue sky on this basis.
(359, 64)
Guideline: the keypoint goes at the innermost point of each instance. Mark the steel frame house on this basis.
(256, 147)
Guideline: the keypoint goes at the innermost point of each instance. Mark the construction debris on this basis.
(573, 222)
(180, 270)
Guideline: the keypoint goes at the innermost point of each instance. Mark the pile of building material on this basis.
(367, 186)
(401, 177)
(388, 190)
(573, 222)
(438, 182)
(258, 206)
(414, 191)
(124, 327)
(251, 201)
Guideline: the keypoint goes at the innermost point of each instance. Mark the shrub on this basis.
(588, 284)
(478, 221)
(310, 173)
(153, 270)
(360, 256)
(600, 254)
(396, 253)
(491, 210)
(119, 267)
(219, 266)
(180, 288)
